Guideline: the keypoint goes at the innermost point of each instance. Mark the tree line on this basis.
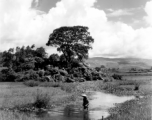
(30, 63)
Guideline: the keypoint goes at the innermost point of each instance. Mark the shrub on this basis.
(31, 83)
(46, 79)
(2, 77)
(47, 73)
(41, 73)
(28, 65)
(88, 77)
(117, 77)
(31, 75)
(97, 69)
(96, 76)
(63, 72)
(53, 71)
(77, 74)
(11, 75)
(41, 100)
(81, 80)
(20, 77)
(59, 78)
(69, 80)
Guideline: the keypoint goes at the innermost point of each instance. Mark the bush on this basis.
(47, 73)
(2, 77)
(117, 77)
(77, 74)
(97, 69)
(63, 72)
(69, 80)
(96, 76)
(59, 78)
(20, 77)
(41, 100)
(31, 75)
(54, 71)
(11, 75)
(31, 83)
(81, 80)
(46, 79)
(41, 73)
(88, 77)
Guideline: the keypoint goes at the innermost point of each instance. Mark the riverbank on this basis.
(133, 110)
(17, 95)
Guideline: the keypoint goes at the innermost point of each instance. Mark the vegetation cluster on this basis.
(28, 63)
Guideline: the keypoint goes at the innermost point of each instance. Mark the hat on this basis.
(84, 95)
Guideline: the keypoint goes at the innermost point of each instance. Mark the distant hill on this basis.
(121, 63)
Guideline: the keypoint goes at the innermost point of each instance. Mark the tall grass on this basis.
(69, 87)
(41, 99)
(133, 110)
(50, 84)
(31, 83)
(6, 115)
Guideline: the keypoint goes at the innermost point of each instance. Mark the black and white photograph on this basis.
(75, 59)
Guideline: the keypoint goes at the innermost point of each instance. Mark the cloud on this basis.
(120, 12)
(22, 25)
(148, 9)
(110, 10)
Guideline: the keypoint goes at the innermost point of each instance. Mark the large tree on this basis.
(74, 42)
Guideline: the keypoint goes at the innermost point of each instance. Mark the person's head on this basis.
(84, 95)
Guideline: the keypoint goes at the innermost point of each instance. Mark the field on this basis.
(143, 78)
(17, 95)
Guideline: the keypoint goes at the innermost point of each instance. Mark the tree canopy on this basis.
(24, 58)
(74, 42)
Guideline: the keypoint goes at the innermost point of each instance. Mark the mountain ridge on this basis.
(122, 63)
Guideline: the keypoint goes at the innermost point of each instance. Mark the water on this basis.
(98, 108)
(99, 105)
(102, 102)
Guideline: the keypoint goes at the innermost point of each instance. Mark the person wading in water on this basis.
(85, 102)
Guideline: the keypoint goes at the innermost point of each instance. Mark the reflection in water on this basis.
(98, 108)
(86, 115)
(70, 112)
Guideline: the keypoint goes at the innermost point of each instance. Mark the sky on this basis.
(120, 28)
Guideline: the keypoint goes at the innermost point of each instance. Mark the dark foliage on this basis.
(74, 42)
(9, 75)
(2, 77)
(30, 64)
(117, 77)
(42, 100)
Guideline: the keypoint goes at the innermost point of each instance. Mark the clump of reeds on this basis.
(41, 99)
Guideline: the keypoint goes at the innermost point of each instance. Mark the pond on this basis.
(99, 105)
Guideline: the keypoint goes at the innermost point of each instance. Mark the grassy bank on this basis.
(133, 110)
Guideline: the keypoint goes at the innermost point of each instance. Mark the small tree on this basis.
(74, 42)
(54, 59)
